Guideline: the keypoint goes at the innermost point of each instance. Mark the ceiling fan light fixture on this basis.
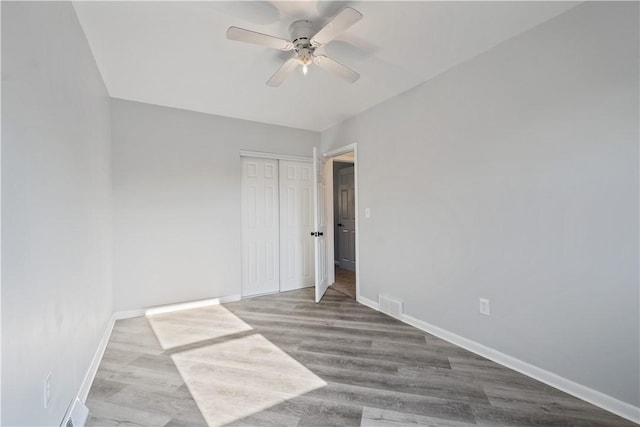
(304, 58)
(304, 43)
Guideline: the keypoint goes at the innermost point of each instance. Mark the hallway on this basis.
(345, 282)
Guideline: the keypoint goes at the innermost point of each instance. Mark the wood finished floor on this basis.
(345, 282)
(284, 360)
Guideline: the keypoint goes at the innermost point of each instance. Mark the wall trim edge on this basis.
(95, 362)
(369, 303)
(169, 308)
(274, 156)
(604, 401)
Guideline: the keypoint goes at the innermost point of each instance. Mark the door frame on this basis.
(329, 156)
(274, 156)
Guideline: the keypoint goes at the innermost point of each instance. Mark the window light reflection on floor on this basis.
(184, 327)
(234, 372)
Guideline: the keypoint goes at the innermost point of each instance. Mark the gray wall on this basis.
(514, 177)
(56, 285)
(176, 187)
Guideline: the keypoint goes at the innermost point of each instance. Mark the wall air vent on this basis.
(390, 306)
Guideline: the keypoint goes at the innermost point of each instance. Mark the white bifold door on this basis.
(277, 221)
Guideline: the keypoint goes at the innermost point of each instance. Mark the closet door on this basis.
(260, 226)
(296, 225)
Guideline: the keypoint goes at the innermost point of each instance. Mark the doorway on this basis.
(344, 221)
(342, 228)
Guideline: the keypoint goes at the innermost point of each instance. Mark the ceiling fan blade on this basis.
(343, 20)
(282, 73)
(247, 36)
(329, 64)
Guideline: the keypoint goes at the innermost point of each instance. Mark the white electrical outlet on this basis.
(367, 212)
(47, 390)
(485, 308)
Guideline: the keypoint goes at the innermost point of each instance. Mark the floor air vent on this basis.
(390, 306)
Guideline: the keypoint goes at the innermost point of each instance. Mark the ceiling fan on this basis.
(304, 42)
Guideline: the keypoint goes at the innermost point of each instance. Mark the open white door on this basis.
(320, 225)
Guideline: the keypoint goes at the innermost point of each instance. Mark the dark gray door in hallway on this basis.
(346, 221)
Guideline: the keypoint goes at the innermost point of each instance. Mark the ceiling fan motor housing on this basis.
(301, 33)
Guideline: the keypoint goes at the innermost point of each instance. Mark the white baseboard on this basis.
(78, 414)
(77, 411)
(369, 303)
(611, 404)
(95, 362)
(168, 308)
(128, 314)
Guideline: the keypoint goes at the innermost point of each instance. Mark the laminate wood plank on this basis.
(282, 359)
(319, 328)
(318, 412)
(299, 337)
(508, 378)
(266, 418)
(102, 389)
(175, 404)
(131, 375)
(493, 416)
(117, 354)
(345, 282)
(376, 417)
(394, 400)
(415, 357)
(177, 422)
(449, 390)
(311, 321)
(435, 347)
(322, 314)
(551, 402)
(106, 414)
(311, 359)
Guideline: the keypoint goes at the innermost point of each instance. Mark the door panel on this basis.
(260, 226)
(320, 225)
(346, 219)
(296, 225)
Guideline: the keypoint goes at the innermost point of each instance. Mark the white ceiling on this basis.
(176, 53)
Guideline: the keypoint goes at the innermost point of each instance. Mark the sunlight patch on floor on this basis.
(239, 377)
(195, 325)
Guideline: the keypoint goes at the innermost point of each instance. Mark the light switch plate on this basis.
(485, 307)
